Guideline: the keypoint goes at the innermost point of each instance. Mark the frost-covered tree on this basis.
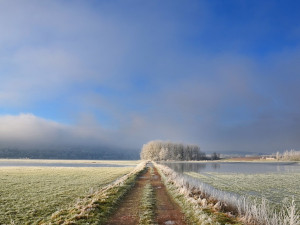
(160, 150)
(291, 155)
(215, 156)
(164, 154)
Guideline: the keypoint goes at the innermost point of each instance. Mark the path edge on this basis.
(96, 208)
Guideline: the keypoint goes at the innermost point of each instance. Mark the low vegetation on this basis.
(28, 195)
(204, 198)
(147, 207)
(148, 202)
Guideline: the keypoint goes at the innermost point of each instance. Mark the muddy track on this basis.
(167, 211)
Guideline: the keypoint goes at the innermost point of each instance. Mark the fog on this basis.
(122, 74)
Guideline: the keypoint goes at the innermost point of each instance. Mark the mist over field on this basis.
(114, 75)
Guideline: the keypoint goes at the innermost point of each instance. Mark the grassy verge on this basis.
(197, 209)
(97, 207)
(147, 206)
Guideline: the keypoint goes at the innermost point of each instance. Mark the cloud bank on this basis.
(124, 73)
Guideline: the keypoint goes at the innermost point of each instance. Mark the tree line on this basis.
(162, 151)
(291, 155)
(101, 153)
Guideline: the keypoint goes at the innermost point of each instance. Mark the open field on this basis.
(30, 194)
(272, 186)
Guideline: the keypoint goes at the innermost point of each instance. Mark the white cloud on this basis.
(27, 129)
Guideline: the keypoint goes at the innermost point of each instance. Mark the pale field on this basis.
(273, 186)
(30, 194)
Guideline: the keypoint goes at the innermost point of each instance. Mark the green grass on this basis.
(30, 194)
(148, 202)
(147, 206)
(273, 186)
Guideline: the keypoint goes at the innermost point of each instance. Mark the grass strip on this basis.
(147, 207)
(97, 207)
(148, 202)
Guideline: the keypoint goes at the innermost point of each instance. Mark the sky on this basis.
(221, 74)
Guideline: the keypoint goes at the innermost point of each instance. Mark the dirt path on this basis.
(128, 211)
(167, 211)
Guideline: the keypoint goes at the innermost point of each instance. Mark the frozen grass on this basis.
(272, 186)
(30, 194)
(197, 209)
(203, 197)
(97, 207)
(147, 206)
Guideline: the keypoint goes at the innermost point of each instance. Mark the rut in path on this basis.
(167, 211)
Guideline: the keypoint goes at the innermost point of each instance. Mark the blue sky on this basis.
(221, 74)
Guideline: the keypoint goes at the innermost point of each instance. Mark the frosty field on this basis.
(267, 192)
(273, 186)
(30, 194)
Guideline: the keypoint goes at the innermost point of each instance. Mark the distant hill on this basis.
(225, 154)
(71, 153)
